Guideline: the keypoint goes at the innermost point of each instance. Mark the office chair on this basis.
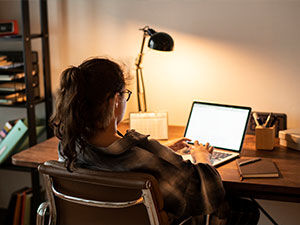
(96, 197)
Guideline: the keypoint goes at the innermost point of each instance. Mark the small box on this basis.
(9, 27)
(154, 124)
(265, 137)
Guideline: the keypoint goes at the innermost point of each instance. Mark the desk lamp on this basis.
(159, 41)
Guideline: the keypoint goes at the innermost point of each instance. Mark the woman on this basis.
(91, 102)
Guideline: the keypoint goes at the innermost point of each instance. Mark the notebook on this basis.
(222, 126)
(261, 168)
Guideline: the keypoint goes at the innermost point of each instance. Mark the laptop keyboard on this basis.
(218, 156)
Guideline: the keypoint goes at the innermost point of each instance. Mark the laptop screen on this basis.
(222, 126)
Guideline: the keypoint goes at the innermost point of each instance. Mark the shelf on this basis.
(9, 166)
(26, 38)
(19, 37)
(11, 38)
(24, 104)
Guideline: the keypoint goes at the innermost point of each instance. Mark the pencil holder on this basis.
(265, 137)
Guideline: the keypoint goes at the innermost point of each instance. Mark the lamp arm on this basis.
(142, 92)
(139, 79)
(140, 56)
(138, 89)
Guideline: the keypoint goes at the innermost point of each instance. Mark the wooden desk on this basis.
(285, 188)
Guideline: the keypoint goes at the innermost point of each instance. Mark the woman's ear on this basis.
(116, 100)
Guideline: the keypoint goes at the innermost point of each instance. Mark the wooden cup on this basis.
(265, 137)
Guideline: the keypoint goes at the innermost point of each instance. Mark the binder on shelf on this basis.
(24, 142)
(11, 139)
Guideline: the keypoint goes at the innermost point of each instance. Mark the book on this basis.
(26, 219)
(12, 205)
(10, 77)
(16, 73)
(261, 168)
(5, 130)
(18, 207)
(24, 206)
(11, 139)
(11, 87)
(13, 98)
(7, 127)
(2, 57)
(10, 65)
(17, 56)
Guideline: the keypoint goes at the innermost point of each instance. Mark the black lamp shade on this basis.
(161, 41)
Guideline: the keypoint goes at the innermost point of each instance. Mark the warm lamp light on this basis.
(159, 41)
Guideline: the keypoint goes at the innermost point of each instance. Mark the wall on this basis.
(228, 51)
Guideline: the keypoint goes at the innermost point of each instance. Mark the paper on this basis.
(154, 124)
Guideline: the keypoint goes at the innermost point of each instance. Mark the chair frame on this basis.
(145, 198)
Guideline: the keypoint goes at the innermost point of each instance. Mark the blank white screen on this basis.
(220, 126)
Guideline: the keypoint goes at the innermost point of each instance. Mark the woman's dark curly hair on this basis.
(82, 104)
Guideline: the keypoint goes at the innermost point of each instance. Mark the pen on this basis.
(273, 121)
(249, 161)
(255, 117)
(266, 124)
(259, 121)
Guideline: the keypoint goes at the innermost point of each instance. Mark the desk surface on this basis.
(284, 188)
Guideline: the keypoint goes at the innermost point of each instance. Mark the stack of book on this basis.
(290, 138)
(12, 77)
(19, 207)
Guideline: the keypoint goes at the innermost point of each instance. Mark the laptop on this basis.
(222, 126)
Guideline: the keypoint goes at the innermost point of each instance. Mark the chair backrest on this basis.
(98, 197)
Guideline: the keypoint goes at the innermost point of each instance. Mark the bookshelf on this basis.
(29, 106)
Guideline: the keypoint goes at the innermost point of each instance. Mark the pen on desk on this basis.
(249, 161)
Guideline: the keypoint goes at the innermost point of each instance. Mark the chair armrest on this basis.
(40, 214)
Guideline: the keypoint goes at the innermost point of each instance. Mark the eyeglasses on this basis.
(127, 93)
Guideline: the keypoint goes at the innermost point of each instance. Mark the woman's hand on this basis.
(202, 153)
(179, 145)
